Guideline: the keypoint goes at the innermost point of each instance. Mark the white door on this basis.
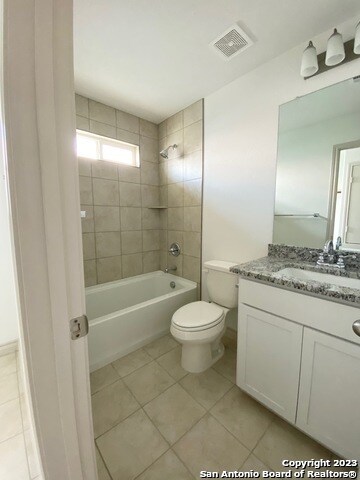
(329, 394)
(268, 363)
(44, 199)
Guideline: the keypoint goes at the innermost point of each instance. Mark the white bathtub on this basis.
(126, 314)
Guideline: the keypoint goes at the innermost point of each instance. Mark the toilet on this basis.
(199, 326)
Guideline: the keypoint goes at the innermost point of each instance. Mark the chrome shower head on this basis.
(165, 153)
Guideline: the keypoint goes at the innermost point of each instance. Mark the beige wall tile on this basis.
(86, 197)
(130, 218)
(10, 419)
(90, 273)
(193, 165)
(105, 192)
(130, 195)
(176, 195)
(192, 244)
(132, 265)
(87, 223)
(192, 193)
(193, 113)
(148, 129)
(177, 262)
(162, 129)
(81, 105)
(151, 261)
(101, 169)
(107, 219)
(163, 196)
(150, 195)
(192, 219)
(175, 236)
(163, 260)
(191, 268)
(150, 219)
(129, 174)
(163, 173)
(102, 129)
(149, 150)
(174, 123)
(164, 219)
(151, 240)
(131, 242)
(193, 137)
(163, 240)
(108, 269)
(107, 244)
(102, 113)
(149, 173)
(175, 170)
(176, 218)
(84, 166)
(128, 137)
(82, 123)
(126, 121)
(88, 240)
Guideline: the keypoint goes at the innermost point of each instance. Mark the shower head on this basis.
(165, 153)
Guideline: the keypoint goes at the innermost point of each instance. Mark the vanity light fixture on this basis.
(335, 51)
(357, 40)
(309, 63)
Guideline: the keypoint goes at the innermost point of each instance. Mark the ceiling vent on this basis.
(232, 42)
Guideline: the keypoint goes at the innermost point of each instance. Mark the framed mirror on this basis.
(318, 168)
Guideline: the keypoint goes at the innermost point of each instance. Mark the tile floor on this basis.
(18, 459)
(154, 421)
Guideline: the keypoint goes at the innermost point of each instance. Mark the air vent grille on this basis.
(232, 42)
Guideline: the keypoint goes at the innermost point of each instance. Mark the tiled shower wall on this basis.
(181, 190)
(121, 236)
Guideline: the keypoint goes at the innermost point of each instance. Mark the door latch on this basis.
(79, 327)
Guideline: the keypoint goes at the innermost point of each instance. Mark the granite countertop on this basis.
(265, 270)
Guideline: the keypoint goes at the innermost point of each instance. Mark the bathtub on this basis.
(127, 314)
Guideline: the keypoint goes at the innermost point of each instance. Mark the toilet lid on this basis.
(198, 315)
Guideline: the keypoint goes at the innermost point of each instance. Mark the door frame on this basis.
(39, 105)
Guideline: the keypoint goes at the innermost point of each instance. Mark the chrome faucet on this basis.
(170, 269)
(333, 257)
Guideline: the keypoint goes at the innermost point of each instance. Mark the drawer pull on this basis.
(356, 327)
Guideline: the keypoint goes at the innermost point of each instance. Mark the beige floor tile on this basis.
(167, 467)
(25, 412)
(207, 387)
(10, 419)
(243, 416)
(13, 463)
(33, 460)
(148, 382)
(284, 441)
(128, 364)
(208, 446)
(7, 364)
(160, 346)
(227, 365)
(103, 474)
(8, 388)
(171, 361)
(253, 463)
(111, 405)
(174, 412)
(103, 377)
(132, 446)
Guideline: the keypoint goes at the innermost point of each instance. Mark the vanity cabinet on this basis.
(299, 356)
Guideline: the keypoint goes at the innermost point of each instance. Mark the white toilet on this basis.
(199, 326)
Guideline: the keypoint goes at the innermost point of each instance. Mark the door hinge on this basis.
(79, 327)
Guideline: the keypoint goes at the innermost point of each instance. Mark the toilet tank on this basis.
(221, 283)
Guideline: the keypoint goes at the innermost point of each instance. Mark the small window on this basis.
(96, 147)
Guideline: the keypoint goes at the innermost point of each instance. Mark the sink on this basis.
(305, 275)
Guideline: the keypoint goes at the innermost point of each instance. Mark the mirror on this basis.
(318, 168)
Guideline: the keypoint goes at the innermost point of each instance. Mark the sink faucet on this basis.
(333, 257)
(170, 269)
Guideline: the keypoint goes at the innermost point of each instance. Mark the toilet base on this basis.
(199, 357)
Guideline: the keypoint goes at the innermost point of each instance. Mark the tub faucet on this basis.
(170, 269)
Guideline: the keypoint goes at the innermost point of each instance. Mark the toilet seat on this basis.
(197, 316)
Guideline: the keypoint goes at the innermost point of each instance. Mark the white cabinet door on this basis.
(329, 396)
(268, 362)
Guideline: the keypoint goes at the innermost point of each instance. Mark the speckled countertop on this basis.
(265, 270)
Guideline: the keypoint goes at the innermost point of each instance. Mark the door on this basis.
(44, 198)
(268, 363)
(329, 394)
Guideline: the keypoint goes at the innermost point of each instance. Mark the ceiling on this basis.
(152, 57)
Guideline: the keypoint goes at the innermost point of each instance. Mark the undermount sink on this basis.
(305, 275)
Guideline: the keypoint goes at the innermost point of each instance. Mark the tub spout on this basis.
(170, 269)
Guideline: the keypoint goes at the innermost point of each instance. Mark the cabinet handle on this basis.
(356, 327)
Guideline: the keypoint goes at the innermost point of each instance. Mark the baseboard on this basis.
(230, 338)
(10, 347)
